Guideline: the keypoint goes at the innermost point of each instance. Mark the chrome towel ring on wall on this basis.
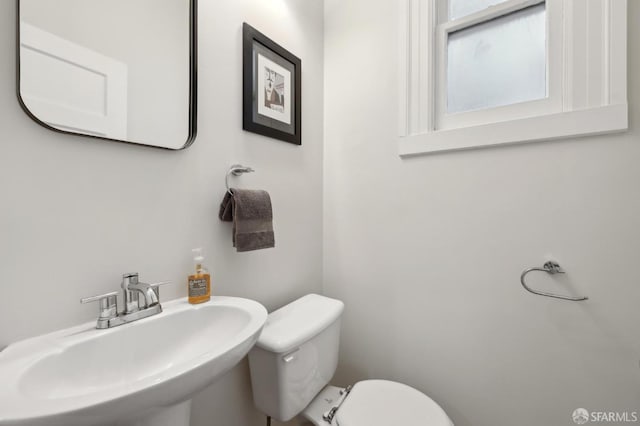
(236, 170)
(551, 267)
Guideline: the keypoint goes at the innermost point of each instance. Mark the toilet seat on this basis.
(386, 403)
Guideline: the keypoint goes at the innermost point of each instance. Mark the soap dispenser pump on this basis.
(200, 282)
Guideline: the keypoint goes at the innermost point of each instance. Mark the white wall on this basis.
(77, 213)
(427, 252)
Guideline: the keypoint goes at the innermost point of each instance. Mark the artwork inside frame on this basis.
(271, 88)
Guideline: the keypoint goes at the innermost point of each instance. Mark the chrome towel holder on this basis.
(551, 267)
(236, 170)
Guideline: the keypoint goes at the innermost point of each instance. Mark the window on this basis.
(498, 62)
(488, 72)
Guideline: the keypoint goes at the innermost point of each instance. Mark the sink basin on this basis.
(141, 373)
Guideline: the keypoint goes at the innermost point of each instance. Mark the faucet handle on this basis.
(108, 304)
(156, 287)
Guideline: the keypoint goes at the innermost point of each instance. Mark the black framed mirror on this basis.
(119, 70)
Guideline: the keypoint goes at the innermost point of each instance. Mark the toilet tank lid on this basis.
(299, 321)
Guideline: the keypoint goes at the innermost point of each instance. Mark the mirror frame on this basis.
(193, 84)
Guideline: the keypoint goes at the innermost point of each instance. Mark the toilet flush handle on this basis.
(290, 356)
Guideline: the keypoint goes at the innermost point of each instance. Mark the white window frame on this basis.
(553, 101)
(587, 79)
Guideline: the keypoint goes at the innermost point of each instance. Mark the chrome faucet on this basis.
(131, 291)
(135, 307)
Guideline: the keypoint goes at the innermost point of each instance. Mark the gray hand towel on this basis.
(252, 217)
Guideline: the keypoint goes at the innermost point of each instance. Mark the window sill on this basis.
(593, 121)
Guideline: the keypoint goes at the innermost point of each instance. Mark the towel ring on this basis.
(236, 170)
(551, 268)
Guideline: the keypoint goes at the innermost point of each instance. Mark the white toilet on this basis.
(296, 357)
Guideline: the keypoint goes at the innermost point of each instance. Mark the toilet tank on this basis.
(296, 355)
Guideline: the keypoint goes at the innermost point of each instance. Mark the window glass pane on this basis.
(461, 8)
(499, 62)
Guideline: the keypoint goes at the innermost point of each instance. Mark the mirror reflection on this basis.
(114, 69)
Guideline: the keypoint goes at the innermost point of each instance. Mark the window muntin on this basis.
(461, 8)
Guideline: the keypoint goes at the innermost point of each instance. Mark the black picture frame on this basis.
(267, 66)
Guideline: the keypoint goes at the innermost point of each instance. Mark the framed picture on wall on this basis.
(271, 88)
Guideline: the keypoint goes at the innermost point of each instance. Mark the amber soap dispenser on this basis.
(200, 282)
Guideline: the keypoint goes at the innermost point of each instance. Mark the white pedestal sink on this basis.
(139, 374)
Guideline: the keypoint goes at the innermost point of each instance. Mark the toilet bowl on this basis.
(295, 358)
